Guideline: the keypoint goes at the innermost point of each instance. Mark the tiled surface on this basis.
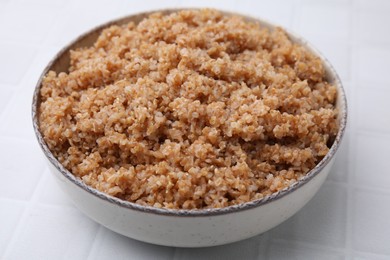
(110, 245)
(21, 178)
(15, 60)
(371, 66)
(49, 232)
(246, 249)
(9, 221)
(371, 225)
(348, 219)
(327, 228)
(296, 251)
(314, 21)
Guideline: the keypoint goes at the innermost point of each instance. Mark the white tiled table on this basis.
(348, 219)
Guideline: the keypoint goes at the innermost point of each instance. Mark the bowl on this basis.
(188, 228)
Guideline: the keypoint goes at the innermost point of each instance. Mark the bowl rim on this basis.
(331, 74)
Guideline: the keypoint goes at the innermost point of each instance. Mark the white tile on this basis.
(16, 120)
(371, 162)
(15, 111)
(372, 66)
(325, 21)
(219, 4)
(110, 245)
(6, 94)
(3, 6)
(100, 8)
(322, 221)
(27, 24)
(75, 21)
(372, 26)
(52, 194)
(291, 251)
(373, 113)
(247, 249)
(44, 54)
(151, 5)
(52, 233)
(328, 2)
(21, 167)
(368, 256)
(371, 225)
(279, 12)
(373, 5)
(15, 60)
(10, 214)
(44, 3)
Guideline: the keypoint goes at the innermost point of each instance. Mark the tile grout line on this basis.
(265, 247)
(174, 253)
(352, 185)
(31, 203)
(349, 42)
(95, 243)
(370, 254)
(7, 106)
(373, 132)
(55, 206)
(339, 250)
(46, 40)
(349, 219)
(382, 134)
(352, 136)
(35, 48)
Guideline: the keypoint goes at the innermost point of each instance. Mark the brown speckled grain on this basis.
(189, 110)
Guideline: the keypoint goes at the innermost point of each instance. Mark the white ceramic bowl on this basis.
(188, 228)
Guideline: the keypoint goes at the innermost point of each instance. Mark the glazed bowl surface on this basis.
(188, 228)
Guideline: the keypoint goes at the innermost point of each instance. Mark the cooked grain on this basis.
(189, 110)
